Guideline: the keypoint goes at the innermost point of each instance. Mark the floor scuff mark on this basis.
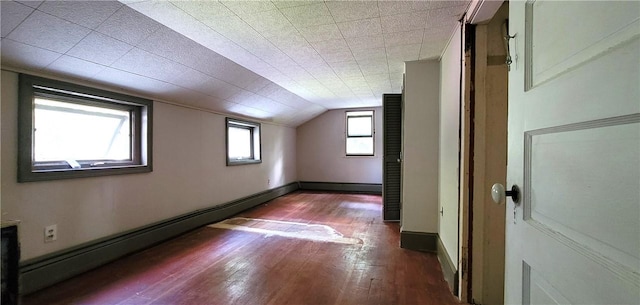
(315, 232)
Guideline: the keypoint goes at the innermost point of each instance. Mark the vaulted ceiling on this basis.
(279, 61)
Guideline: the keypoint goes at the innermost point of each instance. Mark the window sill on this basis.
(361, 156)
(242, 162)
(57, 174)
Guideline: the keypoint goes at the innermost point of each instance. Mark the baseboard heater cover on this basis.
(363, 188)
(419, 241)
(44, 271)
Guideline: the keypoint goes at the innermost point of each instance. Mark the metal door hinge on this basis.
(507, 37)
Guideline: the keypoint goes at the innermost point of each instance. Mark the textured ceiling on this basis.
(281, 61)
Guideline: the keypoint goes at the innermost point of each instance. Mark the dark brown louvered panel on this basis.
(392, 166)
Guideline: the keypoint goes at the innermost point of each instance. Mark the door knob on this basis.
(498, 193)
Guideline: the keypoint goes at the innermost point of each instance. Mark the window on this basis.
(72, 131)
(360, 133)
(243, 142)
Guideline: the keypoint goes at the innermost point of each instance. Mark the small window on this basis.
(71, 131)
(360, 133)
(243, 142)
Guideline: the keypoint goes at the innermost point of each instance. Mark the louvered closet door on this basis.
(392, 161)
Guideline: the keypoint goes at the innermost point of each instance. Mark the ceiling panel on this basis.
(331, 46)
(36, 30)
(203, 10)
(366, 42)
(401, 7)
(352, 10)
(87, 14)
(269, 53)
(100, 48)
(337, 57)
(31, 3)
(249, 7)
(133, 82)
(359, 28)
(297, 72)
(192, 79)
(217, 88)
(285, 4)
(261, 102)
(233, 28)
(374, 66)
(404, 22)
(357, 81)
(404, 38)
(269, 23)
(404, 53)
(13, 13)
(315, 13)
(233, 73)
(289, 39)
(143, 63)
(75, 67)
(269, 90)
(247, 111)
(370, 54)
(306, 56)
(16, 54)
(257, 84)
(320, 32)
(346, 69)
(128, 25)
(432, 5)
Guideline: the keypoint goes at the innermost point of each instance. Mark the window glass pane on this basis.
(239, 143)
(359, 146)
(360, 113)
(359, 126)
(68, 131)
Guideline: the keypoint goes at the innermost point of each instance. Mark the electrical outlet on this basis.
(268, 181)
(50, 233)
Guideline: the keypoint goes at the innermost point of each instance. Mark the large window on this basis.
(243, 142)
(360, 133)
(71, 131)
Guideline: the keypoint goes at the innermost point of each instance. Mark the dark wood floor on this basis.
(218, 266)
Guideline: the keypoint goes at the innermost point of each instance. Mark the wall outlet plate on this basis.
(50, 233)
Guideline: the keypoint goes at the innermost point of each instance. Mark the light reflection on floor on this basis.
(361, 206)
(315, 232)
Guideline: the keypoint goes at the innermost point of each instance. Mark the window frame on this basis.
(141, 122)
(372, 136)
(255, 134)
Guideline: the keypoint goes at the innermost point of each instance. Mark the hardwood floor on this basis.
(222, 266)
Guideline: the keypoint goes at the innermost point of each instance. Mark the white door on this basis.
(574, 150)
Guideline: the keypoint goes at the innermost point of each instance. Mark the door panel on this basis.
(541, 291)
(392, 175)
(576, 38)
(555, 161)
(574, 148)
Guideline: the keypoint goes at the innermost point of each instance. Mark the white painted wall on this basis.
(449, 145)
(321, 150)
(189, 173)
(420, 146)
